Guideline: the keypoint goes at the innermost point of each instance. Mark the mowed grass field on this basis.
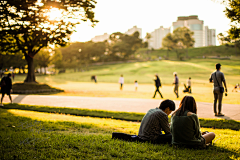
(39, 135)
(79, 83)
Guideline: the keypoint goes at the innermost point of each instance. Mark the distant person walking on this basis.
(217, 78)
(136, 85)
(176, 84)
(157, 85)
(6, 87)
(121, 81)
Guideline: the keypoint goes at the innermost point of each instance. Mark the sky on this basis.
(121, 15)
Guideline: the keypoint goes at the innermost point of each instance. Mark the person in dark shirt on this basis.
(155, 121)
(157, 85)
(6, 87)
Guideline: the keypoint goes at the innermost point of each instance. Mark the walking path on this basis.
(205, 110)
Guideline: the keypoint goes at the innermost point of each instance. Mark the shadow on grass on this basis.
(34, 88)
(127, 116)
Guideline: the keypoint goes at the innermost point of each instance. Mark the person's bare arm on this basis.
(224, 82)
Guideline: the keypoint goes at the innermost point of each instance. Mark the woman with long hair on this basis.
(185, 126)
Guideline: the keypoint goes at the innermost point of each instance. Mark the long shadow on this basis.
(19, 98)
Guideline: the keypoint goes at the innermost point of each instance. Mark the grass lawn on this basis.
(35, 135)
(78, 83)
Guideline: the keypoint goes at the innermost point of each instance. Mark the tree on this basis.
(43, 58)
(122, 46)
(169, 43)
(27, 25)
(180, 39)
(57, 59)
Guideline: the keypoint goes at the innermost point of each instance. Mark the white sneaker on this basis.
(1, 104)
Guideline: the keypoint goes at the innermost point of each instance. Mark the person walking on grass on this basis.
(155, 121)
(176, 84)
(217, 78)
(121, 81)
(185, 126)
(157, 85)
(6, 87)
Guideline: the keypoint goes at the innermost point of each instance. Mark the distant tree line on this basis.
(79, 55)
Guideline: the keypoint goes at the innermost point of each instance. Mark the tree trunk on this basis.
(187, 53)
(30, 75)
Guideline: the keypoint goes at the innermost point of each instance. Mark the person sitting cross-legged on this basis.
(185, 127)
(155, 121)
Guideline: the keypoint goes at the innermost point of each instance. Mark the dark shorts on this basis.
(5, 91)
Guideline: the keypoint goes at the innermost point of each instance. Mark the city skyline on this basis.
(149, 16)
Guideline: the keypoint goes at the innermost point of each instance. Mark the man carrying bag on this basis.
(217, 78)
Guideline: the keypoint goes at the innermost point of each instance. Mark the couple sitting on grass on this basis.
(184, 129)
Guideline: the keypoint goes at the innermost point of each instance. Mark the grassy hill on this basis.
(207, 52)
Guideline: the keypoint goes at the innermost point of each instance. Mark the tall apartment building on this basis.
(202, 35)
(210, 37)
(157, 36)
(195, 25)
(101, 38)
(133, 30)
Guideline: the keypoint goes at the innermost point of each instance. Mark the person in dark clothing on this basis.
(6, 87)
(155, 121)
(157, 84)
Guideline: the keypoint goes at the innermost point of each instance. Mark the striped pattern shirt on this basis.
(153, 123)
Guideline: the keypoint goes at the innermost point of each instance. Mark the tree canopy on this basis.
(181, 38)
(30, 25)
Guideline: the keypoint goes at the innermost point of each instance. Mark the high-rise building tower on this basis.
(195, 25)
(157, 36)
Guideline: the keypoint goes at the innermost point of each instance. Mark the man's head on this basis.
(175, 74)
(9, 75)
(218, 66)
(167, 106)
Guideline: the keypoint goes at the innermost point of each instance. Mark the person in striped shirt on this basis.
(155, 121)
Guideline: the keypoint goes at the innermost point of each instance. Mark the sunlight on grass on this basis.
(225, 138)
(118, 125)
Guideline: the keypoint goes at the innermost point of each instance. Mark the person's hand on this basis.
(11, 90)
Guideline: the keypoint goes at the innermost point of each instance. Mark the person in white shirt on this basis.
(121, 81)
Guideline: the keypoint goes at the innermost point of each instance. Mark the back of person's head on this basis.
(167, 103)
(187, 103)
(9, 75)
(218, 65)
(189, 77)
(175, 73)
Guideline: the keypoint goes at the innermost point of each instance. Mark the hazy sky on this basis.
(120, 15)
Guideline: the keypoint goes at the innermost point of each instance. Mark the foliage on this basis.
(180, 39)
(57, 59)
(15, 60)
(27, 25)
(122, 46)
(43, 58)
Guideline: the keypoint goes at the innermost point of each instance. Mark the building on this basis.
(101, 38)
(133, 30)
(202, 35)
(195, 25)
(210, 37)
(157, 36)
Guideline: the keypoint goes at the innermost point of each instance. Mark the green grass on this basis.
(32, 135)
(143, 72)
(209, 52)
(127, 116)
